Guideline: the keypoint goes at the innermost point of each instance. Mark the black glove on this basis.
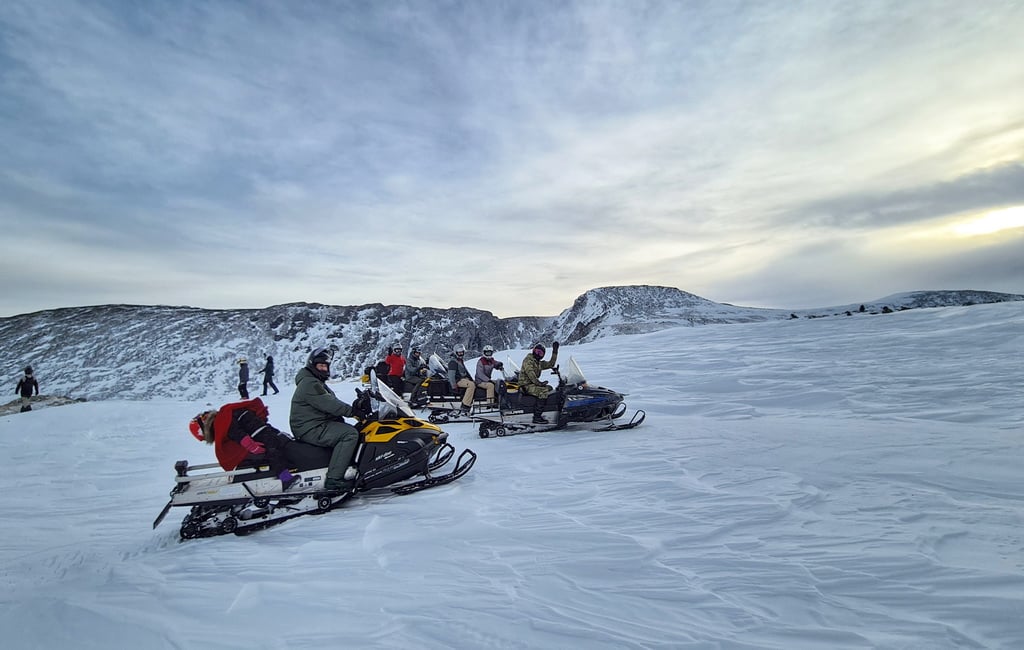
(499, 366)
(358, 412)
(554, 346)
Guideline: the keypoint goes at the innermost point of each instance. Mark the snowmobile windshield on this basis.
(571, 374)
(513, 365)
(437, 366)
(391, 406)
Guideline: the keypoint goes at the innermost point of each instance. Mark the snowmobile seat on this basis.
(304, 456)
(300, 455)
(441, 388)
(527, 402)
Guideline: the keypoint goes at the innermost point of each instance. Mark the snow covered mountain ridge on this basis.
(141, 352)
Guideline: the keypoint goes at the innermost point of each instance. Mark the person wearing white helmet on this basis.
(459, 377)
(484, 367)
(396, 368)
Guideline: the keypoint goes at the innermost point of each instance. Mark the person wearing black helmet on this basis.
(25, 386)
(415, 373)
(316, 419)
(529, 378)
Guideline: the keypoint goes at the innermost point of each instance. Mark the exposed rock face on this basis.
(141, 352)
(638, 309)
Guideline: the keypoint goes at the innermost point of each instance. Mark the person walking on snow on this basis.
(243, 378)
(25, 386)
(268, 375)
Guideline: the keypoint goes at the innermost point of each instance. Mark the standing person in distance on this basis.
(459, 377)
(396, 369)
(25, 386)
(484, 367)
(529, 378)
(268, 375)
(317, 418)
(243, 378)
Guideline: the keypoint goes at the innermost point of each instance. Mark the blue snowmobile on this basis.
(573, 401)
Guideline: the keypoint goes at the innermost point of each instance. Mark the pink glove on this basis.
(252, 446)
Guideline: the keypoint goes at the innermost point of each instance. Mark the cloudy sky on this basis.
(507, 155)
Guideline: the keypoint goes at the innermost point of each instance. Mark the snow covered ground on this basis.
(850, 482)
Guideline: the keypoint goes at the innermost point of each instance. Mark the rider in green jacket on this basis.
(316, 419)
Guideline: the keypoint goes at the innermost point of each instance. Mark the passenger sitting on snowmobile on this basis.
(316, 419)
(529, 378)
(484, 367)
(240, 432)
(396, 368)
(415, 373)
(459, 377)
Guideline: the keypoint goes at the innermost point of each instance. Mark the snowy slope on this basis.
(825, 483)
(139, 352)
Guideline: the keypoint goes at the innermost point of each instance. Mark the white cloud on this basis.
(589, 141)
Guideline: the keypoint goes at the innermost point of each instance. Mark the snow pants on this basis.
(488, 387)
(343, 437)
(467, 396)
(540, 392)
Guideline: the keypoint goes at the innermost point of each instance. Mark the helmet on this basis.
(28, 370)
(320, 355)
(195, 426)
(460, 348)
(396, 348)
(539, 347)
(415, 350)
(488, 350)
